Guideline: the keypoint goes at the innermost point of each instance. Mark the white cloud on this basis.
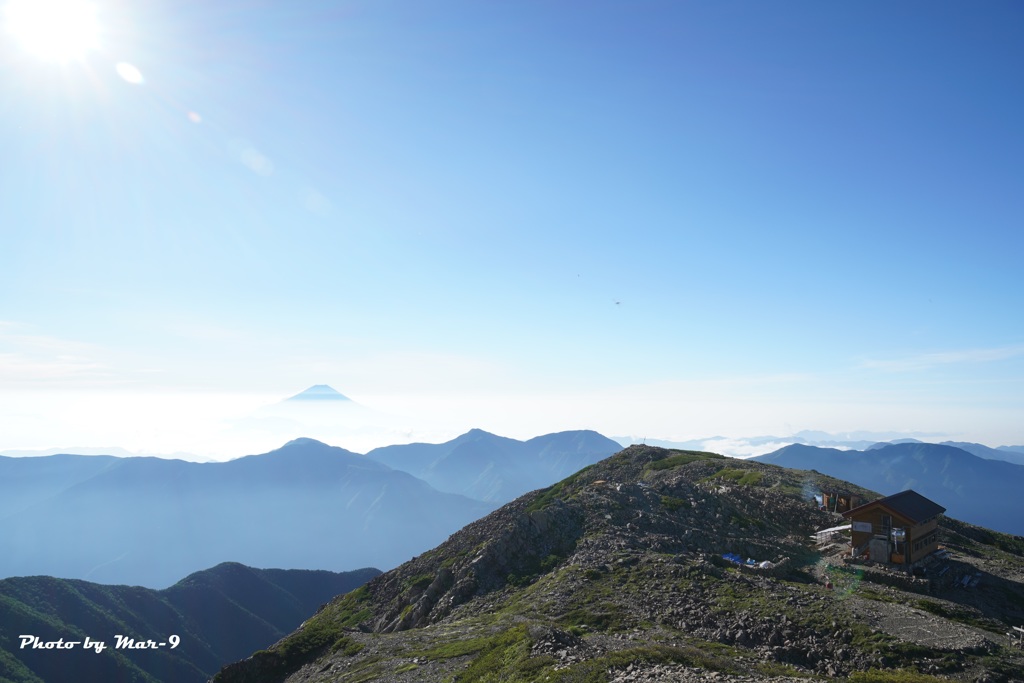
(141, 422)
(743, 448)
(927, 361)
(34, 359)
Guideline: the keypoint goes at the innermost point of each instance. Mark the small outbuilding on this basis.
(899, 529)
(839, 501)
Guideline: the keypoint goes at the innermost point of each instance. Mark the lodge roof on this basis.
(908, 504)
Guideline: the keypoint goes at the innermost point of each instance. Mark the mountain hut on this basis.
(900, 529)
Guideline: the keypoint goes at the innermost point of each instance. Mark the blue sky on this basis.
(653, 218)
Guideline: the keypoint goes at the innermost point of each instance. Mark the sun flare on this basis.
(56, 30)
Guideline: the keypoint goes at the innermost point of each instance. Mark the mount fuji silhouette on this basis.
(319, 392)
(323, 413)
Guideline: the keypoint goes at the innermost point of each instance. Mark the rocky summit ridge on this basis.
(617, 574)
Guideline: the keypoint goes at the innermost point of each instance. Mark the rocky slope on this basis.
(617, 574)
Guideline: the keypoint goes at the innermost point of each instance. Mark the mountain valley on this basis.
(218, 615)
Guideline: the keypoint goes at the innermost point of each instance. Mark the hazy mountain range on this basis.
(150, 521)
(495, 468)
(1014, 454)
(748, 446)
(219, 615)
(306, 505)
(979, 490)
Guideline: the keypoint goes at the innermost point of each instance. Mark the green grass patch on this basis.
(602, 616)
(1013, 597)
(1013, 545)
(361, 672)
(791, 490)
(559, 490)
(892, 676)
(533, 569)
(672, 504)
(875, 595)
(901, 653)
(934, 608)
(351, 610)
(778, 669)
(743, 522)
(419, 582)
(458, 648)
(741, 477)
(735, 597)
(323, 631)
(959, 615)
(347, 646)
(681, 458)
(506, 657)
(304, 645)
(450, 562)
(1008, 668)
(596, 670)
(314, 637)
(866, 641)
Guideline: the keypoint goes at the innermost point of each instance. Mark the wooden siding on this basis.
(923, 539)
(920, 540)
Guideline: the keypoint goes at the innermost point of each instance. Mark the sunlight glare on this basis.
(56, 30)
(129, 72)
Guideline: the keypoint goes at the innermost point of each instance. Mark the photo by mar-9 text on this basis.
(120, 643)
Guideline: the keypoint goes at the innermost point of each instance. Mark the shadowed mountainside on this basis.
(150, 521)
(219, 614)
(1006, 453)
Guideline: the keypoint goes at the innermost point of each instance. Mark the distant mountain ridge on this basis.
(149, 521)
(494, 468)
(978, 490)
(1002, 453)
(219, 614)
(304, 505)
(811, 438)
(745, 447)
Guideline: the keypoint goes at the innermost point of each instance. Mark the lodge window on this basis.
(925, 540)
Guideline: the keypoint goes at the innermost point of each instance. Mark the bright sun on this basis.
(56, 30)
